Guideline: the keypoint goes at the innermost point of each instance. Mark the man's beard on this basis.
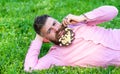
(64, 36)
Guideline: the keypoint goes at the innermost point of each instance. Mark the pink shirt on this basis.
(93, 45)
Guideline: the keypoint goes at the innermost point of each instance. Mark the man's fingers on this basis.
(66, 21)
(63, 23)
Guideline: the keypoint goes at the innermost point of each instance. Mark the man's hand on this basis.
(45, 40)
(38, 37)
(73, 19)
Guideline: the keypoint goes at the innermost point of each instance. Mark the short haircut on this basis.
(39, 22)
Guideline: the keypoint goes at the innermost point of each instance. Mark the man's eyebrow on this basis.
(54, 23)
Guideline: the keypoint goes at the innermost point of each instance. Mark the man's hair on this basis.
(39, 22)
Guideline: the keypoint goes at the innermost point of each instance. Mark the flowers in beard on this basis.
(65, 36)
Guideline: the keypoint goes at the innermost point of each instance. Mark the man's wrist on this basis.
(84, 17)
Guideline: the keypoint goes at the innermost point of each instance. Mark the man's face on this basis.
(50, 29)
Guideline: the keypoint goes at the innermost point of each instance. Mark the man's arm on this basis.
(96, 16)
(101, 14)
(33, 63)
(32, 54)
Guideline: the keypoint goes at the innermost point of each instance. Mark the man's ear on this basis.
(45, 40)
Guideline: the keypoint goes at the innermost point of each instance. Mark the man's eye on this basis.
(54, 24)
(49, 30)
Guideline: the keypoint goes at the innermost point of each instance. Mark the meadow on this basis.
(16, 32)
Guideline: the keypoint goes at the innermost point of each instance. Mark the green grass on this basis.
(16, 31)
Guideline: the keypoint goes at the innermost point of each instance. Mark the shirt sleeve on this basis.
(32, 54)
(33, 63)
(101, 14)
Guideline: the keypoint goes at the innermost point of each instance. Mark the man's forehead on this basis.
(47, 24)
(49, 20)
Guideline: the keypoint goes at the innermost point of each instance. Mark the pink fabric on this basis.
(93, 45)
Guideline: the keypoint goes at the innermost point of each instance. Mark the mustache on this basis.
(60, 29)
